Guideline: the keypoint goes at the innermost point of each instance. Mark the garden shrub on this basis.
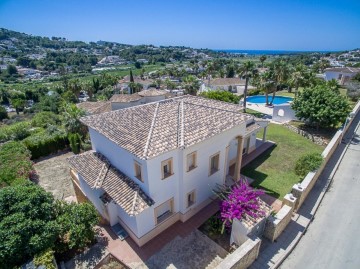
(42, 143)
(16, 131)
(75, 142)
(45, 118)
(15, 164)
(237, 202)
(308, 163)
(46, 259)
(222, 96)
(3, 113)
(254, 92)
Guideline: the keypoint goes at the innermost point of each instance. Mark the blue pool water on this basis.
(260, 99)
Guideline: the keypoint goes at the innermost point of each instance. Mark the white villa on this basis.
(155, 164)
(120, 101)
(342, 75)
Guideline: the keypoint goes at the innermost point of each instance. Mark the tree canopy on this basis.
(31, 222)
(222, 96)
(27, 223)
(321, 107)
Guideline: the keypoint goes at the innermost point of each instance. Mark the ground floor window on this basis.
(190, 198)
(164, 211)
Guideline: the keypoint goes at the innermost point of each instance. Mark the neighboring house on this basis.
(235, 85)
(123, 84)
(158, 163)
(95, 107)
(342, 75)
(120, 101)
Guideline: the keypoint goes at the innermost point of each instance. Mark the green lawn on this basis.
(273, 171)
(254, 113)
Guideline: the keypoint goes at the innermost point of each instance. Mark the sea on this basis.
(268, 52)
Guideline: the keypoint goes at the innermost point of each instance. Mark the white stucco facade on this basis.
(174, 181)
(176, 187)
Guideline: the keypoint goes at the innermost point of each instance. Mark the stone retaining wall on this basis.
(275, 225)
(243, 256)
(316, 139)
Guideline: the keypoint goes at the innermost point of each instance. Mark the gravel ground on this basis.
(194, 251)
(54, 175)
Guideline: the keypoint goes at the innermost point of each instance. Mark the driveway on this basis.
(54, 175)
(332, 240)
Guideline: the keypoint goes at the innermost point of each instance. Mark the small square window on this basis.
(137, 168)
(191, 161)
(190, 199)
(214, 163)
(166, 168)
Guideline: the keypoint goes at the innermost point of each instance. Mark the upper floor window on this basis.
(191, 161)
(137, 169)
(214, 163)
(166, 168)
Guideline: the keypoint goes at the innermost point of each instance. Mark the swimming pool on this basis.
(260, 99)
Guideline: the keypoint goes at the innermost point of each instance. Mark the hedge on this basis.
(16, 131)
(15, 164)
(43, 144)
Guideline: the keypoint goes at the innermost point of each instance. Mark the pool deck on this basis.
(260, 108)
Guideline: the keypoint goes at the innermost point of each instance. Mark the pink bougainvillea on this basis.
(239, 201)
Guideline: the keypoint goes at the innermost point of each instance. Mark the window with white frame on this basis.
(214, 163)
(166, 168)
(191, 161)
(137, 170)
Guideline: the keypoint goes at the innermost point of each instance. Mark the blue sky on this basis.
(215, 24)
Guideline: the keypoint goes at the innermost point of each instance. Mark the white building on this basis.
(235, 85)
(120, 101)
(155, 164)
(342, 75)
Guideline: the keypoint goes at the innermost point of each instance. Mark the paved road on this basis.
(333, 239)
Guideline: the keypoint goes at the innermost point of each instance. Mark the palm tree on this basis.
(333, 85)
(18, 104)
(262, 60)
(265, 83)
(75, 87)
(247, 70)
(191, 84)
(4, 95)
(298, 77)
(280, 72)
(210, 68)
(71, 119)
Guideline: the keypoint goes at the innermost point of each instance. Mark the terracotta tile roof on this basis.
(250, 222)
(155, 128)
(251, 128)
(126, 79)
(125, 98)
(95, 107)
(96, 170)
(227, 81)
(343, 69)
(152, 92)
